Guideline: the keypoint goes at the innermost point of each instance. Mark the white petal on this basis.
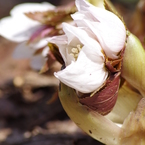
(74, 37)
(110, 32)
(37, 62)
(61, 42)
(78, 16)
(41, 43)
(84, 75)
(45, 51)
(23, 51)
(83, 37)
(112, 39)
(108, 28)
(30, 7)
(18, 28)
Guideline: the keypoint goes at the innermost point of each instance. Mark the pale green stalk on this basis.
(94, 124)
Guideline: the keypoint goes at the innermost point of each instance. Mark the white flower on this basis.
(19, 28)
(83, 58)
(96, 31)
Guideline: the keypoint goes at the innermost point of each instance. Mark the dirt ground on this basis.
(26, 117)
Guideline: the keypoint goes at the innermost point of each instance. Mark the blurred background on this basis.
(7, 5)
(30, 111)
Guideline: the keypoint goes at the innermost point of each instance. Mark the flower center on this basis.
(75, 51)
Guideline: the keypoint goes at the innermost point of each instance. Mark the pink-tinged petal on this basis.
(40, 44)
(31, 7)
(37, 35)
(83, 75)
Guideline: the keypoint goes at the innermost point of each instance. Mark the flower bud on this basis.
(133, 69)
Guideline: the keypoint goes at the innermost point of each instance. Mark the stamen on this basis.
(79, 47)
(72, 54)
(75, 51)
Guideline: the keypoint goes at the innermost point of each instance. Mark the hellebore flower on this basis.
(32, 24)
(86, 109)
(83, 48)
(98, 34)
